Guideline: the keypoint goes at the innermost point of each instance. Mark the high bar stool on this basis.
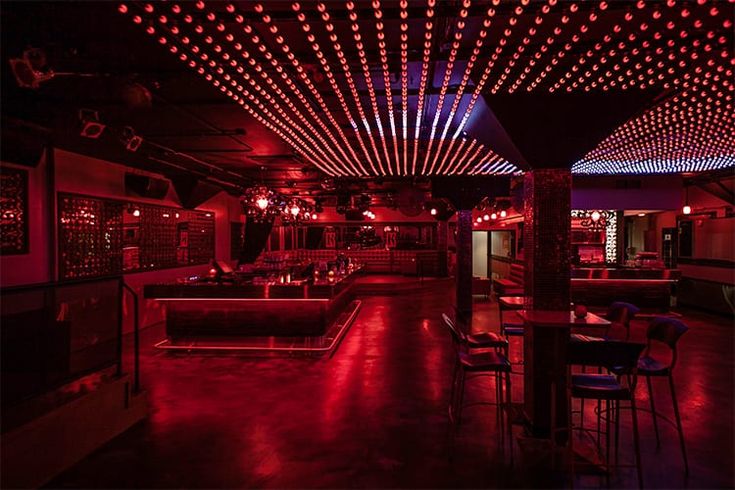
(666, 331)
(606, 388)
(479, 361)
(510, 328)
(619, 314)
(481, 340)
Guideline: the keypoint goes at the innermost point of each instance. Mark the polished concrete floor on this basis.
(374, 415)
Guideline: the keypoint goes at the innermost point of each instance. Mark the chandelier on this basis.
(261, 204)
(296, 211)
(595, 220)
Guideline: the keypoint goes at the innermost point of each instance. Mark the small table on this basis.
(545, 345)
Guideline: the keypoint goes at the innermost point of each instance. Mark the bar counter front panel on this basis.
(645, 288)
(279, 310)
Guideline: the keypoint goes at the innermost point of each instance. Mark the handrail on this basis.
(136, 338)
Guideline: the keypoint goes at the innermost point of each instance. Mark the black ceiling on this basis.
(113, 67)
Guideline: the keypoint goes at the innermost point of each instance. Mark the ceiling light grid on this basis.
(383, 50)
(357, 37)
(451, 59)
(425, 61)
(250, 74)
(200, 61)
(217, 25)
(691, 131)
(476, 51)
(304, 77)
(354, 162)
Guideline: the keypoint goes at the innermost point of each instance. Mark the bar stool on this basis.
(489, 361)
(620, 314)
(510, 328)
(606, 388)
(666, 331)
(481, 340)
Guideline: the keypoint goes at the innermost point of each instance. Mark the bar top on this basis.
(322, 289)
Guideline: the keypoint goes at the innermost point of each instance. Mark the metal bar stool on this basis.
(606, 388)
(620, 314)
(480, 355)
(665, 331)
(509, 328)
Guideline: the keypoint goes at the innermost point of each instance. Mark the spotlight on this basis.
(433, 211)
(687, 209)
(91, 125)
(503, 213)
(494, 216)
(92, 129)
(486, 217)
(136, 212)
(131, 140)
(479, 220)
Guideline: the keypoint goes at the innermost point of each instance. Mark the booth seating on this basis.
(375, 260)
(511, 285)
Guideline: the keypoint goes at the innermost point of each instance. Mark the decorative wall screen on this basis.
(102, 237)
(13, 211)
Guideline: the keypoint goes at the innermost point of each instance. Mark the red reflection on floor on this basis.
(374, 415)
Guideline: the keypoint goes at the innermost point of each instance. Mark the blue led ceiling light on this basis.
(693, 131)
(283, 77)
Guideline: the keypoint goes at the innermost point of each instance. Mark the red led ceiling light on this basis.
(691, 131)
(497, 47)
(280, 93)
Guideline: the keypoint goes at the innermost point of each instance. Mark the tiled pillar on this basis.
(463, 277)
(441, 247)
(547, 237)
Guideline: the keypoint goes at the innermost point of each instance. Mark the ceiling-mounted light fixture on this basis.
(687, 209)
(594, 220)
(132, 141)
(91, 125)
(260, 204)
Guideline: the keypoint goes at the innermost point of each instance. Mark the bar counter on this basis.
(644, 287)
(235, 309)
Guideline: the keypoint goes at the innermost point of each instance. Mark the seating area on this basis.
(511, 285)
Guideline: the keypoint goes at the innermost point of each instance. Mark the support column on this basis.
(547, 238)
(463, 276)
(441, 247)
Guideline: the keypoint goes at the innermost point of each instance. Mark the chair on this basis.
(482, 340)
(666, 331)
(477, 355)
(606, 388)
(510, 328)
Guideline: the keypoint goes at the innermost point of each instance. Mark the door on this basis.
(479, 253)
